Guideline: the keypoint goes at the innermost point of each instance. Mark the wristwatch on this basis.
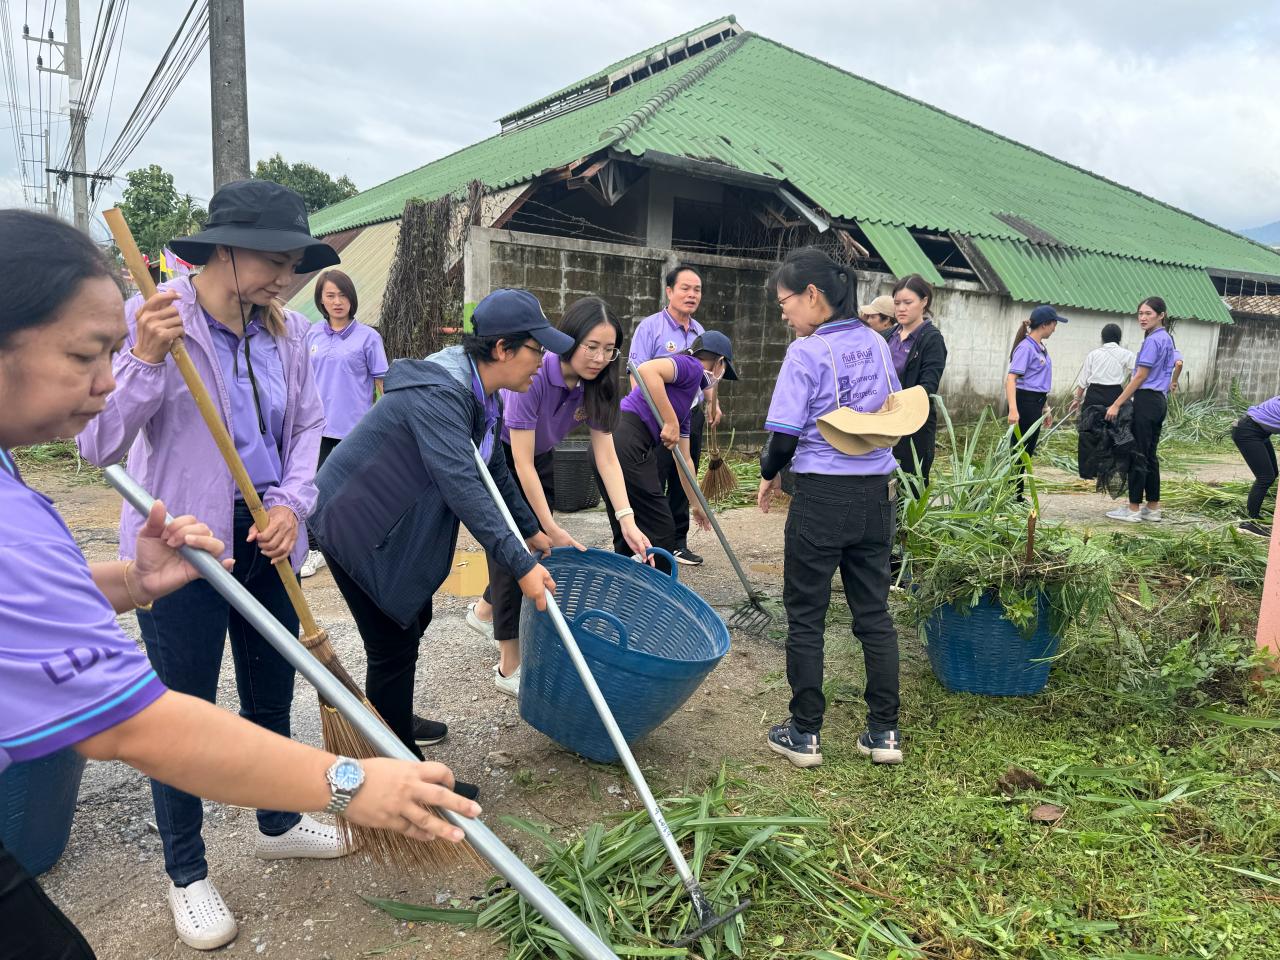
(345, 777)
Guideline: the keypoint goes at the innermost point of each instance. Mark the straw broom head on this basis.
(719, 481)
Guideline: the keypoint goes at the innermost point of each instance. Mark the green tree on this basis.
(317, 188)
(156, 211)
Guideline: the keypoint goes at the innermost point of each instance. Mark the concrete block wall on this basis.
(1249, 353)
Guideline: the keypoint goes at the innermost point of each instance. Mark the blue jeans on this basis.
(184, 634)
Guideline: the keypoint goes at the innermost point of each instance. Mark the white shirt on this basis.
(1109, 365)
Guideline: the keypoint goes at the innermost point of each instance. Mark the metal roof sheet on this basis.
(900, 251)
(367, 261)
(1099, 281)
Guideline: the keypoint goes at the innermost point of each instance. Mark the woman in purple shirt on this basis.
(1030, 379)
(69, 677)
(843, 514)
(1252, 437)
(252, 356)
(581, 386)
(1149, 387)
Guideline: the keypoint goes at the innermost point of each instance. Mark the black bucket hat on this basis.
(257, 215)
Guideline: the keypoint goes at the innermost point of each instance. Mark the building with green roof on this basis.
(726, 148)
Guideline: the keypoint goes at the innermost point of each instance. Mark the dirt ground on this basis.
(111, 879)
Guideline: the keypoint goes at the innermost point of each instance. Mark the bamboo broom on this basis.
(340, 736)
(719, 481)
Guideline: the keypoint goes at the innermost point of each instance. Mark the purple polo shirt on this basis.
(659, 335)
(549, 408)
(260, 452)
(492, 411)
(843, 352)
(67, 671)
(346, 362)
(1157, 355)
(900, 349)
(1032, 366)
(1266, 414)
(690, 381)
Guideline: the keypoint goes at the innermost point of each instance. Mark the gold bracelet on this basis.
(129, 590)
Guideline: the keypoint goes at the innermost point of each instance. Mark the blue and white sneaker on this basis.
(802, 749)
(882, 747)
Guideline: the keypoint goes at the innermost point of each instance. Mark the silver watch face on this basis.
(347, 775)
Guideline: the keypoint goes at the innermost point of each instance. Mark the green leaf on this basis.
(412, 911)
(1234, 720)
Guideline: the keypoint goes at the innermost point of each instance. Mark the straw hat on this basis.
(854, 433)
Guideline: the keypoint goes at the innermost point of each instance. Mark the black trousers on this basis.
(1149, 408)
(642, 470)
(1030, 409)
(327, 445)
(846, 524)
(1254, 443)
(915, 453)
(503, 590)
(391, 651)
(676, 499)
(31, 926)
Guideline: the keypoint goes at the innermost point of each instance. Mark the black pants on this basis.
(638, 455)
(843, 523)
(915, 453)
(503, 590)
(31, 926)
(1030, 409)
(326, 447)
(1254, 443)
(391, 651)
(1149, 407)
(670, 473)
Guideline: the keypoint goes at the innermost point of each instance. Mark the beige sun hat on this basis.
(854, 433)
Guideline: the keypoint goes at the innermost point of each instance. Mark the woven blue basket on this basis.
(647, 638)
(976, 650)
(37, 805)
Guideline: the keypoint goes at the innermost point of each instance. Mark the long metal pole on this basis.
(75, 87)
(229, 93)
(484, 840)
(606, 715)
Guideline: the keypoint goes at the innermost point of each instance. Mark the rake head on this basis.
(706, 919)
(751, 617)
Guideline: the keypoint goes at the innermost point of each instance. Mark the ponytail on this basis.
(1023, 329)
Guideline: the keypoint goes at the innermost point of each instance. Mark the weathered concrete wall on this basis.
(1249, 353)
(979, 326)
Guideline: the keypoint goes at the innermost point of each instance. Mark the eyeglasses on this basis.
(789, 296)
(607, 354)
(537, 348)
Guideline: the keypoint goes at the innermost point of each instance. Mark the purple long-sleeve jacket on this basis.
(152, 417)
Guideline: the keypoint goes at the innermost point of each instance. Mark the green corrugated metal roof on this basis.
(367, 261)
(1099, 281)
(856, 149)
(899, 249)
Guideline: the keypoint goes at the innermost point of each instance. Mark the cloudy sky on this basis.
(1176, 99)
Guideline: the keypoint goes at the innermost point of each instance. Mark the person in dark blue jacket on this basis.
(392, 494)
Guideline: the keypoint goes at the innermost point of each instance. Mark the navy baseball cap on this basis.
(1045, 314)
(509, 311)
(713, 341)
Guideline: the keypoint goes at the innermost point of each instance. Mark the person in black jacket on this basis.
(393, 492)
(920, 357)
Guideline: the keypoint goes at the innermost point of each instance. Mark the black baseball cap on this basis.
(1045, 314)
(713, 341)
(508, 311)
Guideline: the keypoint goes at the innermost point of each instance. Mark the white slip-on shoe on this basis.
(1125, 514)
(201, 915)
(307, 839)
(508, 685)
(485, 629)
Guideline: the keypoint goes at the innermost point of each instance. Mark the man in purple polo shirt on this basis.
(664, 334)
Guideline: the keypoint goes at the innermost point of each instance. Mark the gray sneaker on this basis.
(1151, 516)
(1125, 515)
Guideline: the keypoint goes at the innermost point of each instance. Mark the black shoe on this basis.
(1255, 528)
(427, 733)
(687, 557)
(802, 749)
(464, 789)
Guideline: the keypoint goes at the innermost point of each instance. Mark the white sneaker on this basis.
(508, 685)
(314, 561)
(307, 840)
(201, 915)
(482, 627)
(1125, 514)
(1150, 515)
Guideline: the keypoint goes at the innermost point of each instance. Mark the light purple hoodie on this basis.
(152, 417)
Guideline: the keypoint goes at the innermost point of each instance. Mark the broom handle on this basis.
(373, 730)
(602, 707)
(693, 482)
(212, 418)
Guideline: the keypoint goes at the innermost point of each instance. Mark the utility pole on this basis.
(229, 91)
(79, 181)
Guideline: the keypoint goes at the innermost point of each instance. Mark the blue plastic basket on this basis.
(647, 638)
(976, 650)
(37, 805)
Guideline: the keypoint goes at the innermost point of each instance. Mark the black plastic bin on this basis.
(575, 480)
